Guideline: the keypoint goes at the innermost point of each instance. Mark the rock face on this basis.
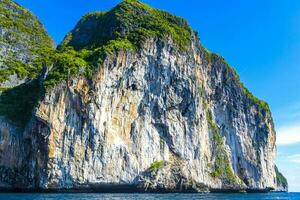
(157, 114)
(22, 41)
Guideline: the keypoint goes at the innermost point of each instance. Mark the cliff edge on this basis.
(132, 101)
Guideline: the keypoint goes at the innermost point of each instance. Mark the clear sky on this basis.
(259, 38)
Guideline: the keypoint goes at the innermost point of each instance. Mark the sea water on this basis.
(107, 196)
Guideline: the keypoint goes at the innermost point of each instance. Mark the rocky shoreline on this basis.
(130, 101)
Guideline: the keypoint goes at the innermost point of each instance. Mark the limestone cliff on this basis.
(22, 41)
(133, 102)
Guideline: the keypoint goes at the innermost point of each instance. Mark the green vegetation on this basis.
(24, 31)
(280, 178)
(67, 63)
(96, 36)
(14, 16)
(125, 27)
(212, 57)
(221, 167)
(71, 59)
(18, 103)
(264, 105)
(152, 22)
(132, 21)
(113, 45)
(209, 56)
(157, 165)
(24, 37)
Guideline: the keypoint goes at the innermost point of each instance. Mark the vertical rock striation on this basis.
(23, 40)
(136, 103)
(23, 44)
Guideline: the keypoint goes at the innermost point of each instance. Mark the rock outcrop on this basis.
(22, 41)
(134, 102)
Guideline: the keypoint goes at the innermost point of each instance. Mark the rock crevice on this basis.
(162, 116)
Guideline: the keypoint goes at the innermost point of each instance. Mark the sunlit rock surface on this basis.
(155, 119)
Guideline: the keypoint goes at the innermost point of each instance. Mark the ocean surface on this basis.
(90, 196)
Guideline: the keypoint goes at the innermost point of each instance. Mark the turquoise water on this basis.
(52, 196)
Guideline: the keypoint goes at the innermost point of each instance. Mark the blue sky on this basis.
(259, 38)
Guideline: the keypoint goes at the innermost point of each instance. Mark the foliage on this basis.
(113, 45)
(212, 57)
(24, 35)
(280, 178)
(264, 105)
(15, 17)
(18, 103)
(66, 64)
(125, 27)
(221, 167)
(96, 36)
(132, 21)
(157, 165)
(209, 56)
(28, 48)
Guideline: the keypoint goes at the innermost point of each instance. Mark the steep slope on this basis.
(22, 40)
(24, 45)
(24, 48)
(133, 102)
